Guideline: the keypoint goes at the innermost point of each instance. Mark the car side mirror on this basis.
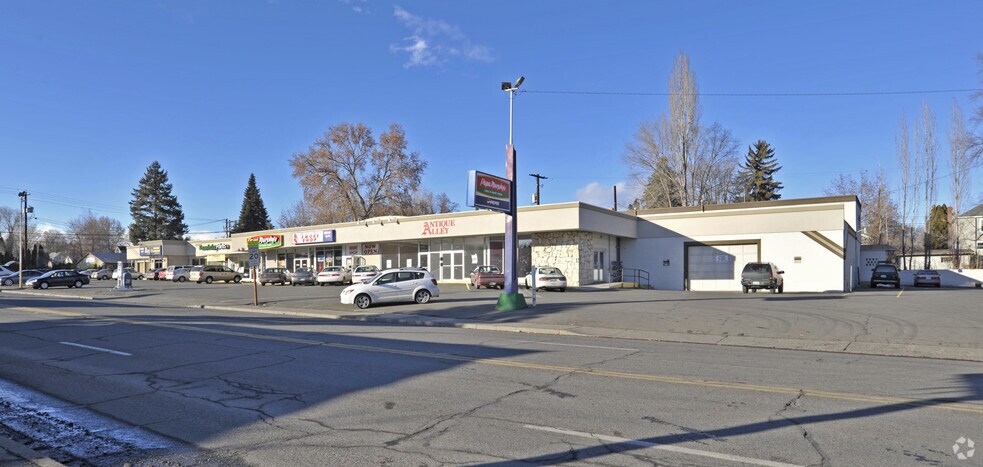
(781, 272)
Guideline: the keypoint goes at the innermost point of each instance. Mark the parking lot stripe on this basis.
(899, 293)
(98, 349)
(855, 397)
(664, 447)
(580, 345)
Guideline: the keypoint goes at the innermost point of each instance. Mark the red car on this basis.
(488, 276)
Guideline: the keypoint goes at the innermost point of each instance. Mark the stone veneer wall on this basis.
(572, 252)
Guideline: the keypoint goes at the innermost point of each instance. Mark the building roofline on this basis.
(749, 205)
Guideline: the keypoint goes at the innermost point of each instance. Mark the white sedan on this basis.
(548, 278)
(364, 273)
(334, 275)
(392, 285)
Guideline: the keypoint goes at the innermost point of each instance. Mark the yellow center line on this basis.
(845, 396)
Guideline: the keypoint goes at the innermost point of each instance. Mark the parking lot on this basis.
(929, 317)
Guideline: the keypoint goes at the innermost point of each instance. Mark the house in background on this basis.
(969, 236)
(101, 259)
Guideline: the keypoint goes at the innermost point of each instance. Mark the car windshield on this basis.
(303, 271)
(365, 269)
(549, 271)
(490, 269)
(332, 269)
(928, 272)
(885, 268)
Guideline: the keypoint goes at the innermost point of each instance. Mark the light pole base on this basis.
(510, 302)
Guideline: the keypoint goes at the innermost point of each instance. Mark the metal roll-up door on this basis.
(718, 267)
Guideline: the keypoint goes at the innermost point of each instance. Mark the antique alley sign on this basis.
(489, 192)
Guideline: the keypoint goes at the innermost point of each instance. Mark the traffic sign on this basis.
(253, 253)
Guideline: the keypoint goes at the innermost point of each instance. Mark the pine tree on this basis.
(156, 213)
(758, 173)
(253, 215)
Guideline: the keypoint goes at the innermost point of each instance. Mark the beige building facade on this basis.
(702, 248)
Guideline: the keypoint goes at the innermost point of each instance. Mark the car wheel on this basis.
(8, 282)
(237, 279)
(104, 278)
(363, 301)
(43, 285)
(78, 284)
(182, 279)
(527, 285)
(781, 288)
(208, 280)
(744, 288)
(422, 296)
(476, 286)
(563, 289)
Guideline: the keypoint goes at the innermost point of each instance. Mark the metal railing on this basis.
(639, 277)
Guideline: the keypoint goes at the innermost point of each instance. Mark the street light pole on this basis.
(23, 249)
(511, 299)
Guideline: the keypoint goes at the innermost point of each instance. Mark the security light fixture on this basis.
(519, 81)
(506, 85)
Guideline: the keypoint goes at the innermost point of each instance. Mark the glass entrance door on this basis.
(300, 263)
(599, 266)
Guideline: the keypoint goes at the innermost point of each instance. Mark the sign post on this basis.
(253, 246)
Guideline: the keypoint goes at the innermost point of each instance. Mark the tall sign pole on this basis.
(253, 248)
(23, 251)
(511, 299)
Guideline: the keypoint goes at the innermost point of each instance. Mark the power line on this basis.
(759, 94)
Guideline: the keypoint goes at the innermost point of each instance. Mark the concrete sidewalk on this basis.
(878, 322)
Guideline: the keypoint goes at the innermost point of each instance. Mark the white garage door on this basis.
(718, 267)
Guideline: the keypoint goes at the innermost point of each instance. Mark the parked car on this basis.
(14, 277)
(885, 274)
(334, 275)
(209, 274)
(547, 278)
(102, 274)
(928, 277)
(392, 285)
(133, 274)
(364, 273)
(303, 276)
(488, 276)
(762, 276)
(5, 270)
(178, 273)
(156, 274)
(274, 276)
(58, 278)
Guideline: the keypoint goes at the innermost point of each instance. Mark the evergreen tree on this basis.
(758, 173)
(156, 213)
(253, 215)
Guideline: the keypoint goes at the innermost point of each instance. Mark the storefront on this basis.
(693, 248)
(154, 254)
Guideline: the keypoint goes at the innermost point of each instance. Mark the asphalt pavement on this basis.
(246, 389)
(918, 322)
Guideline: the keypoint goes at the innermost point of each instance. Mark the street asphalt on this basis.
(918, 322)
(235, 388)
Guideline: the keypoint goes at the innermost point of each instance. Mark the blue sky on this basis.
(92, 92)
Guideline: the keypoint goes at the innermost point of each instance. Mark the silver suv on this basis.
(208, 274)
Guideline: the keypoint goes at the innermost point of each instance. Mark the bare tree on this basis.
(90, 233)
(880, 216)
(678, 161)
(928, 148)
(346, 175)
(903, 155)
(9, 222)
(960, 163)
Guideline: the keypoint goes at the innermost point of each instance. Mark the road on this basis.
(226, 388)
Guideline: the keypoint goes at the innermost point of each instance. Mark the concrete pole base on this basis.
(510, 302)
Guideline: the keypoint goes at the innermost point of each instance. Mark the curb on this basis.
(50, 295)
(27, 453)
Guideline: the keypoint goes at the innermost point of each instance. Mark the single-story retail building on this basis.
(692, 248)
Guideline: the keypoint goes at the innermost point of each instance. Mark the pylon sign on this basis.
(489, 192)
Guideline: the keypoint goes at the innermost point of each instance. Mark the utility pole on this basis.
(538, 178)
(616, 197)
(23, 249)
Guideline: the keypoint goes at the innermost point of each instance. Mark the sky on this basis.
(92, 92)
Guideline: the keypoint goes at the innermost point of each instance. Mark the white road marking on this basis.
(678, 449)
(579, 345)
(899, 293)
(100, 349)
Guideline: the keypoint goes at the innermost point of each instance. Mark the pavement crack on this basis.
(794, 402)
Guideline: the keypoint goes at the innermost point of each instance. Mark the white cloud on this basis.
(205, 235)
(48, 228)
(603, 195)
(434, 41)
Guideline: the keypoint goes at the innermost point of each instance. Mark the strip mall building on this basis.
(701, 248)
